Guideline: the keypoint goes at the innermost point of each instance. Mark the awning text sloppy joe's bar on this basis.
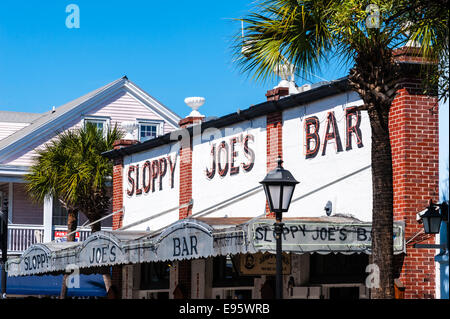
(192, 238)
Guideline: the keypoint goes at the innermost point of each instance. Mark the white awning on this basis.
(201, 238)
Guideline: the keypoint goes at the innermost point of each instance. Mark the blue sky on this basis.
(170, 49)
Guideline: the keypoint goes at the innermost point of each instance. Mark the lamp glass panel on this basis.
(287, 194)
(274, 193)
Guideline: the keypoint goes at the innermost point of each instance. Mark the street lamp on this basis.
(432, 219)
(279, 185)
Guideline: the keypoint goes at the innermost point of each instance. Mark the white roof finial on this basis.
(194, 103)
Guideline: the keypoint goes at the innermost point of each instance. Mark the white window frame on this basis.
(159, 126)
(97, 119)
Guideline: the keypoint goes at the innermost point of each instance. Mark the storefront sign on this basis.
(300, 236)
(184, 240)
(331, 134)
(99, 250)
(150, 176)
(263, 264)
(224, 156)
(37, 259)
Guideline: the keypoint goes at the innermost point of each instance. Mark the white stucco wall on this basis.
(208, 192)
(138, 207)
(349, 194)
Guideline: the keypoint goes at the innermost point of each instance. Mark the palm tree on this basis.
(307, 33)
(70, 168)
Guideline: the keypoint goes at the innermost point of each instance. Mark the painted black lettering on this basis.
(317, 234)
(176, 246)
(185, 251)
(343, 234)
(293, 230)
(194, 245)
(112, 254)
(259, 233)
(361, 234)
(331, 234)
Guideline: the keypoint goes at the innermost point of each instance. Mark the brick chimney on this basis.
(277, 93)
(414, 131)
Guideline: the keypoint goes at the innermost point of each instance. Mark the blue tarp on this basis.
(90, 286)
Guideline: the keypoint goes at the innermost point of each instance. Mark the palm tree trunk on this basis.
(382, 222)
(72, 223)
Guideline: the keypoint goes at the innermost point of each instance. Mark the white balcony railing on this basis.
(20, 237)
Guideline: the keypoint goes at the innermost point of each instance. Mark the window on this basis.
(100, 123)
(149, 129)
(59, 214)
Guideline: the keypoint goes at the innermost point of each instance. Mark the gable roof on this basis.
(18, 117)
(50, 120)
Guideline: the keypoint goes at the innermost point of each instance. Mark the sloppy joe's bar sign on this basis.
(36, 260)
(331, 134)
(322, 237)
(185, 240)
(152, 175)
(225, 155)
(99, 250)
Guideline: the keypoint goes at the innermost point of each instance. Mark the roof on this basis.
(328, 89)
(18, 117)
(52, 120)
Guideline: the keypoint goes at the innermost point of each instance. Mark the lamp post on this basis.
(432, 218)
(279, 185)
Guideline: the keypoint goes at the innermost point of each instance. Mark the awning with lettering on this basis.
(192, 238)
(324, 235)
(185, 239)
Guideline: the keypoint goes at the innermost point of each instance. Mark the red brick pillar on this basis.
(414, 131)
(117, 203)
(185, 194)
(118, 183)
(274, 131)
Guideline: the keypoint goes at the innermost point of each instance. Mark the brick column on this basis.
(185, 193)
(414, 131)
(117, 204)
(274, 131)
(185, 196)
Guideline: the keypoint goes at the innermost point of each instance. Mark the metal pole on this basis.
(279, 265)
(4, 244)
